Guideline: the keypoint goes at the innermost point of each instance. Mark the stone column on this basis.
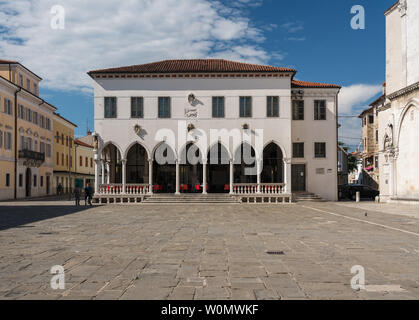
(392, 181)
(96, 176)
(124, 175)
(103, 170)
(204, 177)
(177, 178)
(150, 175)
(108, 176)
(231, 176)
(258, 172)
(287, 175)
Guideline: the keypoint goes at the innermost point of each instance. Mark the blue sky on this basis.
(315, 37)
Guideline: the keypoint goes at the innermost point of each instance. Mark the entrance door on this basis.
(298, 177)
(28, 182)
(48, 184)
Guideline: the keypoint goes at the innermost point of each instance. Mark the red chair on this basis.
(226, 187)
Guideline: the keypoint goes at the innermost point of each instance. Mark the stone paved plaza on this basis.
(207, 251)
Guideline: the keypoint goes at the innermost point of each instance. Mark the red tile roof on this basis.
(81, 143)
(306, 84)
(194, 66)
(3, 61)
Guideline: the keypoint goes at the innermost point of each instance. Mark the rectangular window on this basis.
(20, 80)
(28, 84)
(81, 161)
(21, 112)
(86, 162)
(8, 141)
(319, 110)
(42, 122)
(320, 150)
(110, 107)
(7, 179)
(137, 107)
(298, 150)
(35, 117)
(58, 158)
(42, 147)
(41, 182)
(272, 106)
(48, 127)
(7, 106)
(164, 107)
(91, 162)
(21, 180)
(1, 139)
(29, 115)
(29, 143)
(218, 107)
(35, 88)
(376, 136)
(35, 182)
(298, 110)
(371, 119)
(48, 150)
(245, 107)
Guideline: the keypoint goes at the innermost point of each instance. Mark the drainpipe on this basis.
(15, 142)
(337, 141)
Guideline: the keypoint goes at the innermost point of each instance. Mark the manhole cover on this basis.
(276, 252)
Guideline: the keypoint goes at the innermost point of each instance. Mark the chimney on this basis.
(384, 88)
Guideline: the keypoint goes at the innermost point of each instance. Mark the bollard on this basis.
(358, 196)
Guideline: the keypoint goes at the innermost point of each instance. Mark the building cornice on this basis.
(190, 75)
(403, 91)
(394, 6)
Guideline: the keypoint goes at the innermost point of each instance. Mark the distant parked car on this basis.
(348, 191)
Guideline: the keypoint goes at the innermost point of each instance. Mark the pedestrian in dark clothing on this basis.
(87, 195)
(77, 195)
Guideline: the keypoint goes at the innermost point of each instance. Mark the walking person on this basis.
(87, 195)
(77, 195)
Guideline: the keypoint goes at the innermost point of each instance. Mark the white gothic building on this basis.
(213, 126)
(399, 113)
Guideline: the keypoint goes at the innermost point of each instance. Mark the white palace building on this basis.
(212, 126)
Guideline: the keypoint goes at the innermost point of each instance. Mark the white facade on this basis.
(321, 173)
(399, 117)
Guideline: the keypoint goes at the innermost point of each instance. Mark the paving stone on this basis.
(207, 252)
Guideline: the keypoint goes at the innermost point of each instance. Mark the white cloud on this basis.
(293, 27)
(356, 95)
(352, 100)
(101, 34)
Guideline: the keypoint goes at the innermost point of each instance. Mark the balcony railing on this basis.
(32, 158)
(238, 189)
(262, 188)
(130, 189)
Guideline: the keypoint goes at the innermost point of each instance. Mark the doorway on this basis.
(48, 184)
(298, 178)
(28, 182)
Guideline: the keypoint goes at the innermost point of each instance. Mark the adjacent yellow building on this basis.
(38, 151)
(26, 134)
(73, 158)
(63, 153)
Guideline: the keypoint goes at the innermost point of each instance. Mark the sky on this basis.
(314, 37)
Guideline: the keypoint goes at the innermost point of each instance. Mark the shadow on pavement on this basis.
(15, 216)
